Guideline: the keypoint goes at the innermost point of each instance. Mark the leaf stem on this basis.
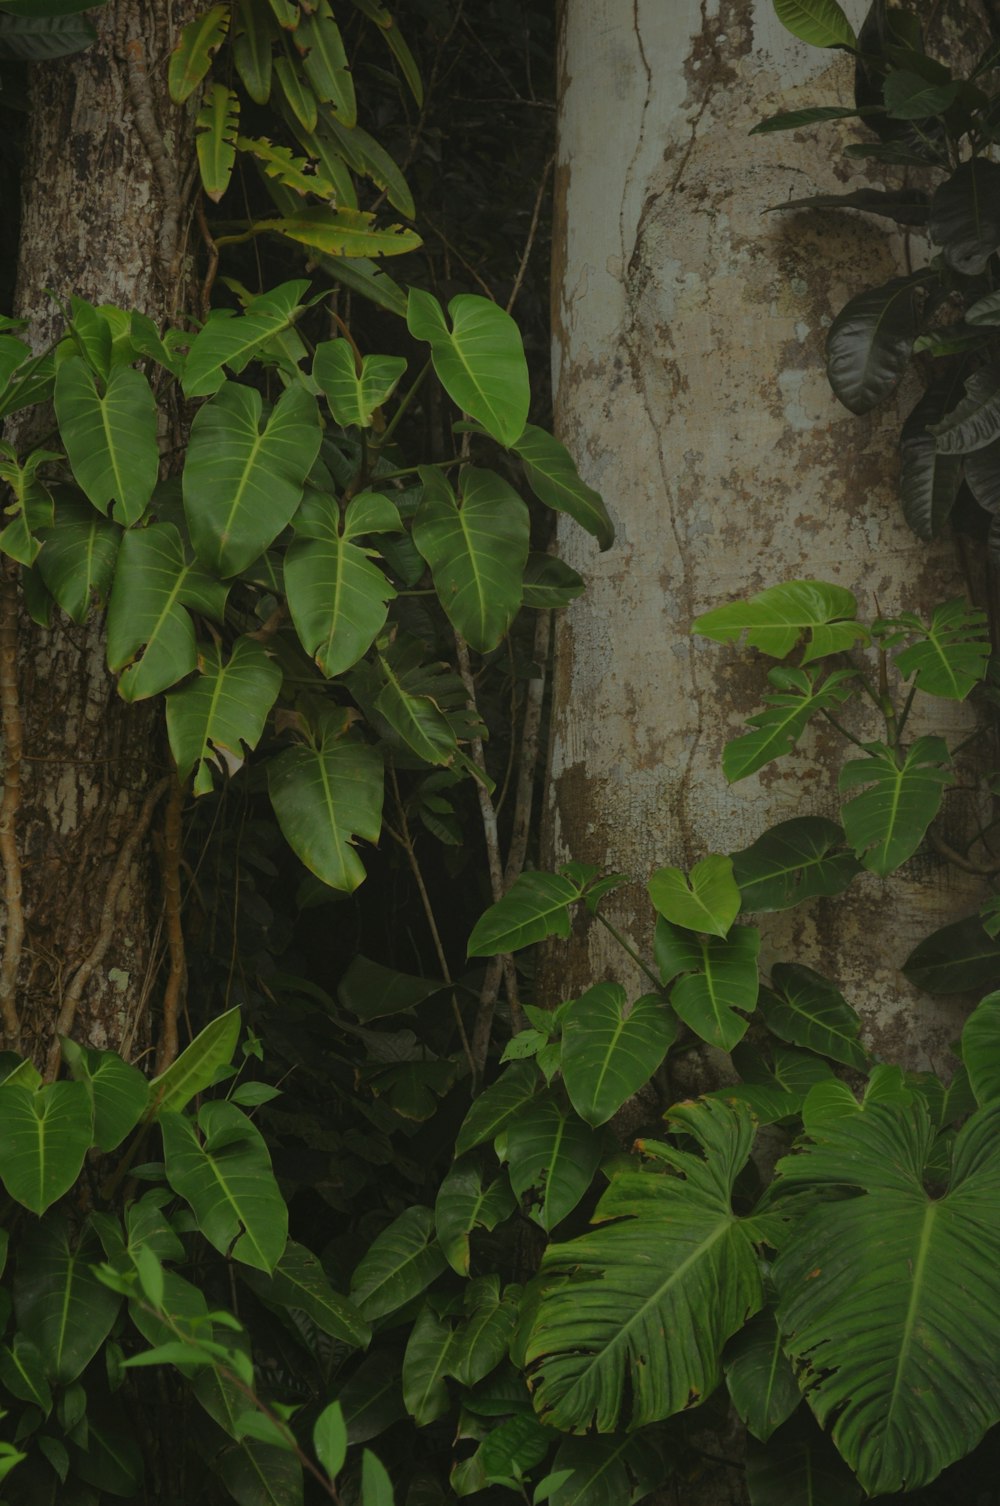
(630, 950)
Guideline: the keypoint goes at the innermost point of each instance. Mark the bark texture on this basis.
(107, 185)
(690, 328)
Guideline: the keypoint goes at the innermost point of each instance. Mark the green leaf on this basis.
(794, 120)
(795, 861)
(325, 61)
(608, 1054)
(633, 1315)
(192, 57)
(324, 796)
(821, 23)
(981, 1049)
(368, 159)
(483, 1340)
(37, 38)
(806, 1010)
(497, 1105)
(376, 1486)
(232, 340)
(400, 1263)
(890, 1353)
(479, 361)
(463, 1204)
(929, 481)
(760, 1380)
(417, 719)
(78, 561)
(215, 718)
(604, 1470)
(775, 620)
(975, 422)
(252, 50)
(955, 959)
(46, 1132)
(720, 977)
(260, 1474)
(330, 1439)
(981, 470)
(153, 587)
(354, 396)
(299, 1281)
(370, 991)
(111, 439)
(515, 1447)
(909, 96)
(337, 596)
(295, 87)
(799, 1465)
(887, 822)
(118, 1092)
(535, 906)
(196, 1067)
(227, 1180)
(343, 232)
(23, 1374)
(61, 1306)
(555, 480)
(476, 547)
(965, 215)
(707, 901)
(549, 583)
(552, 1157)
(218, 124)
(949, 657)
(279, 162)
(112, 1461)
(243, 484)
(372, 1399)
(869, 344)
(425, 1362)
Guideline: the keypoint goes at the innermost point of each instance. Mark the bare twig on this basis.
(528, 758)
(532, 232)
(13, 737)
(105, 934)
(208, 281)
(170, 864)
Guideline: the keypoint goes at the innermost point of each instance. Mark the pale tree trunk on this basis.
(690, 386)
(107, 186)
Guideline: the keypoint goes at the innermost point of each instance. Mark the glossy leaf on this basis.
(929, 481)
(218, 123)
(228, 340)
(343, 232)
(890, 1354)
(981, 1049)
(497, 1105)
(955, 959)
(719, 978)
(214, 719)
(707, 900)
(476, 547)
(550, 583)
(110, 438)
(192, 57)
(299, 1281)
(479, 361)
(325, 795)
(948, 658)
(153, 587)
(242, 484)
(869, 343)
(337, 595)
(975, 422)
(78, 561)
(608, 1054)
(60, 1305)
(634, 1314)
(776, 619)
(981, 469)
(910, 96)
(821, 23)
(400, 1263)
(555, 480)
(227, 1180)
(886, 823)
(464, 1204)
(46, 1133)
(118, 1092)
(965, 215)
(985, 310)
(552, 1157)
(806, 1010)
(535, 906)
(425, 1363)
(355, 395)
(795, 861)
(760, 1379)
(196, 1067)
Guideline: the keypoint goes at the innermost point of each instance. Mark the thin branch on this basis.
(528, 759)
(532, 232)
(105, 934)
(170, 864)
(950, 855)
(13, 738)
(208, 281)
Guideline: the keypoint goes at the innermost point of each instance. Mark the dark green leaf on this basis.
(425, 1363)
(463, 1204)
(192, 56)
(719, 978)
(110, 437)
(797, 696)
(807, 1010)
(549, 583)
(552, 1157)
(908, 96)
(61, 1306)
(949, 657)
(534, 907)
(608, 1054)
(886, 823)
(299, 1281)
(955, 959)
(907, 206)
(46, 1133)
(869, 343)
(324, 796)
(119, 1094)
(799, 1467)
(400, 1263)
(337, 596)
(555, 480)
(965, 215)
(493, 1110)
(929, 481)
(793, 120)
(198, 1064)
(975, 422)
(370, 991)
(218, 122)
(981, 1049)
(34, 38)
(214, 719)
(794, 861)
(78, 561)
(372, 1399)
(760, 1379)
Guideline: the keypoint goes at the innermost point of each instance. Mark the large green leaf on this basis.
(463, 1204)
(911, 96)
(556, 481)
(60, 1305)
(196, 1067)
(805, 1009)
(794, 861)
(965, 215)
(399, 1264)
(417, 719)
(35, 38)
(118, 1092)
(535, 906)
(707, 900)
(719, 978)
(821, 23)
(337, 596)
(948, 658)
(228, 340)
(215, 718)
(799, 1467)
(484, 1338)
(956, 959)
(77, 562)
(218, 123)
(886, 823)
(869, 344)
(552, 1156)
(299, 1281)
(480, 360)
(252, 50)
(973, 423)
(760, 1379)
(797, 696)
(260, 1474)
(325, 794)
(774, 620)
(325, 62)
(46, 1133)
(606, 1470)
(354, 395)
(891, 1353)
(608, 1054)
(633, 1315)
(192, 57)
(154, 585)
(22, 1373)
(425, 1362)
(981, 1049)
(227, 1179)
(477, 548)
(241, 484)
(493, 1110)
(110, 438)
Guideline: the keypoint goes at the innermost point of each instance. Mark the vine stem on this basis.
(170, 866)
(13, 741)
(94, 958)
(844, 732)
(630, 950)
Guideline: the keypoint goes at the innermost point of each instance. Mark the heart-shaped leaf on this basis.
(794, 861)
(337, 596)
(719, 979)
(110, 438)
(46, 1132)
(886, 823)
(61, 1306)
(77, 563)
(232, 340)
(465, 1203)
(552, 1157)
(215, 718)
(325, 794)
(608, 1054)
(479, 361)
(707, 900)
(354, 396)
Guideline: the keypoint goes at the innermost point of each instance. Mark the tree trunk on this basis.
(690, 385)
(107, 185)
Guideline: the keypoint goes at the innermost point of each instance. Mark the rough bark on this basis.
(690, 384)
(107, 185)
